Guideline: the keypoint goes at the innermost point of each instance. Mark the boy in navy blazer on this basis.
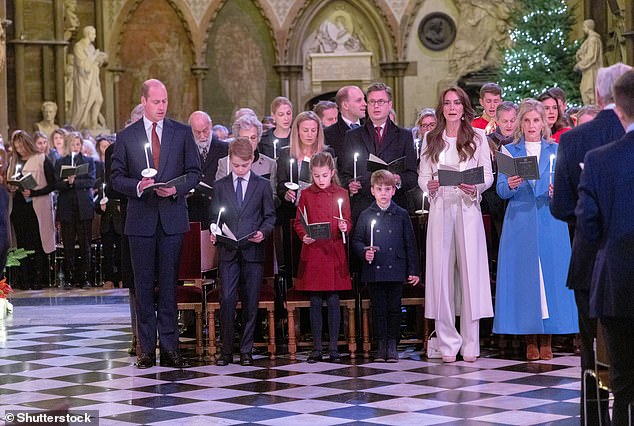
(248, 208)
(390, 258)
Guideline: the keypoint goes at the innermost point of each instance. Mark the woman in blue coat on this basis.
(531, 294)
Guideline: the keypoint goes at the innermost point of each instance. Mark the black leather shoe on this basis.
(246, 359)
(132, 347)
(223, 360)
(145, 360)
(335, 356)
(173, 359)
(86, 285)
(315, 356)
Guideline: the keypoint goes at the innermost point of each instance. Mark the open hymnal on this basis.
(67, 171)
(451, 177)
(316, 231)
(229, 239)
(176, 181)
(24, 182)
(524, 167)
(395, 166)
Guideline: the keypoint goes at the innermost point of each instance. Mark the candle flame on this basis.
(147, 145)
(373, 222)
(222, 209)
(356, 156)
(340, 201)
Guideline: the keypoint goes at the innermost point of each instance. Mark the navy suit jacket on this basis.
(179, 156)
(217, 149)
(397, 142)
(256, 214)
(604, 215)
(335, 135)
(573, 146)
(82, 189)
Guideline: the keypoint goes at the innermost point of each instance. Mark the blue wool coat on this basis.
(531, 234)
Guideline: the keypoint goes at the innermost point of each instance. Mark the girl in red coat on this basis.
(323, 267)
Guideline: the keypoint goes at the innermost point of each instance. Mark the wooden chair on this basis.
(600, 373)
(198, 255)
(266, 302)
(296, 299)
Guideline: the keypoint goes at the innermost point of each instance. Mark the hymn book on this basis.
(451, 177)
(25, 182)
(67, 171)
(524, 167)
(316, 231)
(395, 166)
(229, 239)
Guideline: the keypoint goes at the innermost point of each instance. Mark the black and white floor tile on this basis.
(56, 352)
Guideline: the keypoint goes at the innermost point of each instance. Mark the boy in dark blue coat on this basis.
(384, 238)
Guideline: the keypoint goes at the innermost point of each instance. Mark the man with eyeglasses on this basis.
(210, 149)
(351, 103)
(381, 137)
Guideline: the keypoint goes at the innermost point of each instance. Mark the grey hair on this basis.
(606, 77)
(506, 106)
(246, 122)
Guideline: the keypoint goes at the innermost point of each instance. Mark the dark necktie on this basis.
(354, 125)
(379, 135)
(203, 153)
(239, 191)
(156, 147)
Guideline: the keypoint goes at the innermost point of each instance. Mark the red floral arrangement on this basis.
(5, 289)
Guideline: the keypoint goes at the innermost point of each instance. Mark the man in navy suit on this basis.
(392, 143)
(248, 205)
(604, 216)
(210, 149)
(351, 103)
(156, 220)
(573, 146)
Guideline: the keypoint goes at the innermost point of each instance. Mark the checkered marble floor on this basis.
(84, 366)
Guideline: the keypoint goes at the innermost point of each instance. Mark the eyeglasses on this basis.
(427, 126)
(379, 102)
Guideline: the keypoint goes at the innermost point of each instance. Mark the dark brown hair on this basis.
(241, 147)
(465, 143)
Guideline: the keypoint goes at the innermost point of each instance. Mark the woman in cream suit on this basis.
(457, 270)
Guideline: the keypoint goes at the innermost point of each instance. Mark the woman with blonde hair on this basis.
(531, 294)
(32, 210)
(306, 140)
(278, 137)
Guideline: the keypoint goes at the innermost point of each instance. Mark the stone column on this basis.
(200, 72)
(60, 61)
(395, 71)
(290, 75)
(116, 77)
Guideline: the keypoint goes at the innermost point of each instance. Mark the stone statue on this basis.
(3, 42)
(71, 21)
(87, 96)
(482, 29)
(47, 125)
(337, 35)
(589, 60)
(69, 72)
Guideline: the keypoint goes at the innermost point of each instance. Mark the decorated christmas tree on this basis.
(542, 55)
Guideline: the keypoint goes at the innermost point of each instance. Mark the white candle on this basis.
(147, 159)
(103, 189)
(424, 196)
(372, 232)
(356, 158)
(343, 234)
(228, 165)
(72, 159)
(552, 167)
(222, 209)
(290, 176)
(275, 142)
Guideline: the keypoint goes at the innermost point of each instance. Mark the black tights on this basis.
(334, 317)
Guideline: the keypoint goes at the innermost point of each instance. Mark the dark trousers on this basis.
(619, 336)
(386, 309)
(238, 275)
(111, 243)
(81, 231)
(588, 332)
(334, 318)
(156, 258)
